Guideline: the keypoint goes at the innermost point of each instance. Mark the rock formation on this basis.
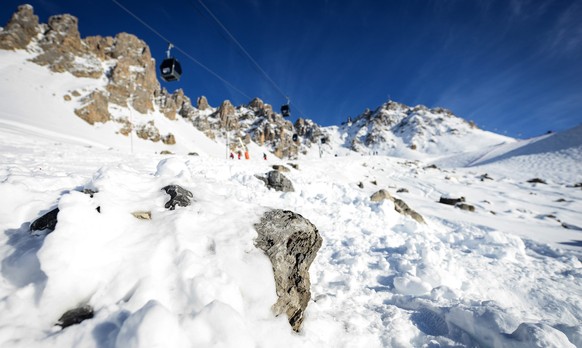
(20, 30)
(291, 243)
(125, 64)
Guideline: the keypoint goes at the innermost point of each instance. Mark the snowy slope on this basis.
(418, 132)
(32, 100)
(506, 275)
(556, 157)
(192, 277)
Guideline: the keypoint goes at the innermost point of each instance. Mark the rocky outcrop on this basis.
(20, 30)
(226, 116)
(291, 242)
(125, 63)
(95, 108)
(277, 181)
(202, 103)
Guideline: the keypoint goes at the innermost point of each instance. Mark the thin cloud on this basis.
(566, 35)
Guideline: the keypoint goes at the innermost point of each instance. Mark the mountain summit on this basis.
(115, 83)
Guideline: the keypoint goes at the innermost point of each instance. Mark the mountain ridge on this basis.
(126, 94)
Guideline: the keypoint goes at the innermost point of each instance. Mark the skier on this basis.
(264, 156)
(231, 156)
(239, 154)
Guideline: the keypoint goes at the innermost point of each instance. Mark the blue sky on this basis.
(512, 66)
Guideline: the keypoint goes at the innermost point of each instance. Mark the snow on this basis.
(506, 275)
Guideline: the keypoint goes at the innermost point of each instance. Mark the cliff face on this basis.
(125, 65)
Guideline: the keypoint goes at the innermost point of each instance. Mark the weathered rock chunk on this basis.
(277, 181)
(281, 169)
(291, 243)
(465, 206)
(178, 196)
(536, 181)
(75, 316)
(380, 196)
(404, 209)
(451, 201)
(46, 222)
(399, 205)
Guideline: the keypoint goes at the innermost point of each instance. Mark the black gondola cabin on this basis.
(286, 110)
(171, 70)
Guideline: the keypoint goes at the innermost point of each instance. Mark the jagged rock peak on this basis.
(256, 103)
(202, 103)
(20, 30)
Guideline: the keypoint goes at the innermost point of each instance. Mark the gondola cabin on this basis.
(171, 70)
(286, 110)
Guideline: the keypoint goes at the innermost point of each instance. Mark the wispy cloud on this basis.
(565, 37)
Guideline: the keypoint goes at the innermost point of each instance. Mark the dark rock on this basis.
(465, 206)
(432, 166)
(294, 165)
(178, 196)
(451, 201)
(193, 154)
(291, 243)
(402, 190)
(578, 185)
(401, 207)
(166, 152)
(46, 222)
(536, 181)
(560, 200)
(485, 177)
(89, 192)
(361, 185)
(98, 209)
(277, 181)
(75, 316)
(374, 182)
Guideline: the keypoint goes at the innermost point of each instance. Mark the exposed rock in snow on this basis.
(380, 195)
(46, 222)
(281, 169)
(403, 208)
(75, 316)
(291, 242)
(451, 201)
(19, 31)
(399, 205)
(178, 196)
(277, 181)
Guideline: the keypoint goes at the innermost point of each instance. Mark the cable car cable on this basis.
(181, 50)
(240, 46)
